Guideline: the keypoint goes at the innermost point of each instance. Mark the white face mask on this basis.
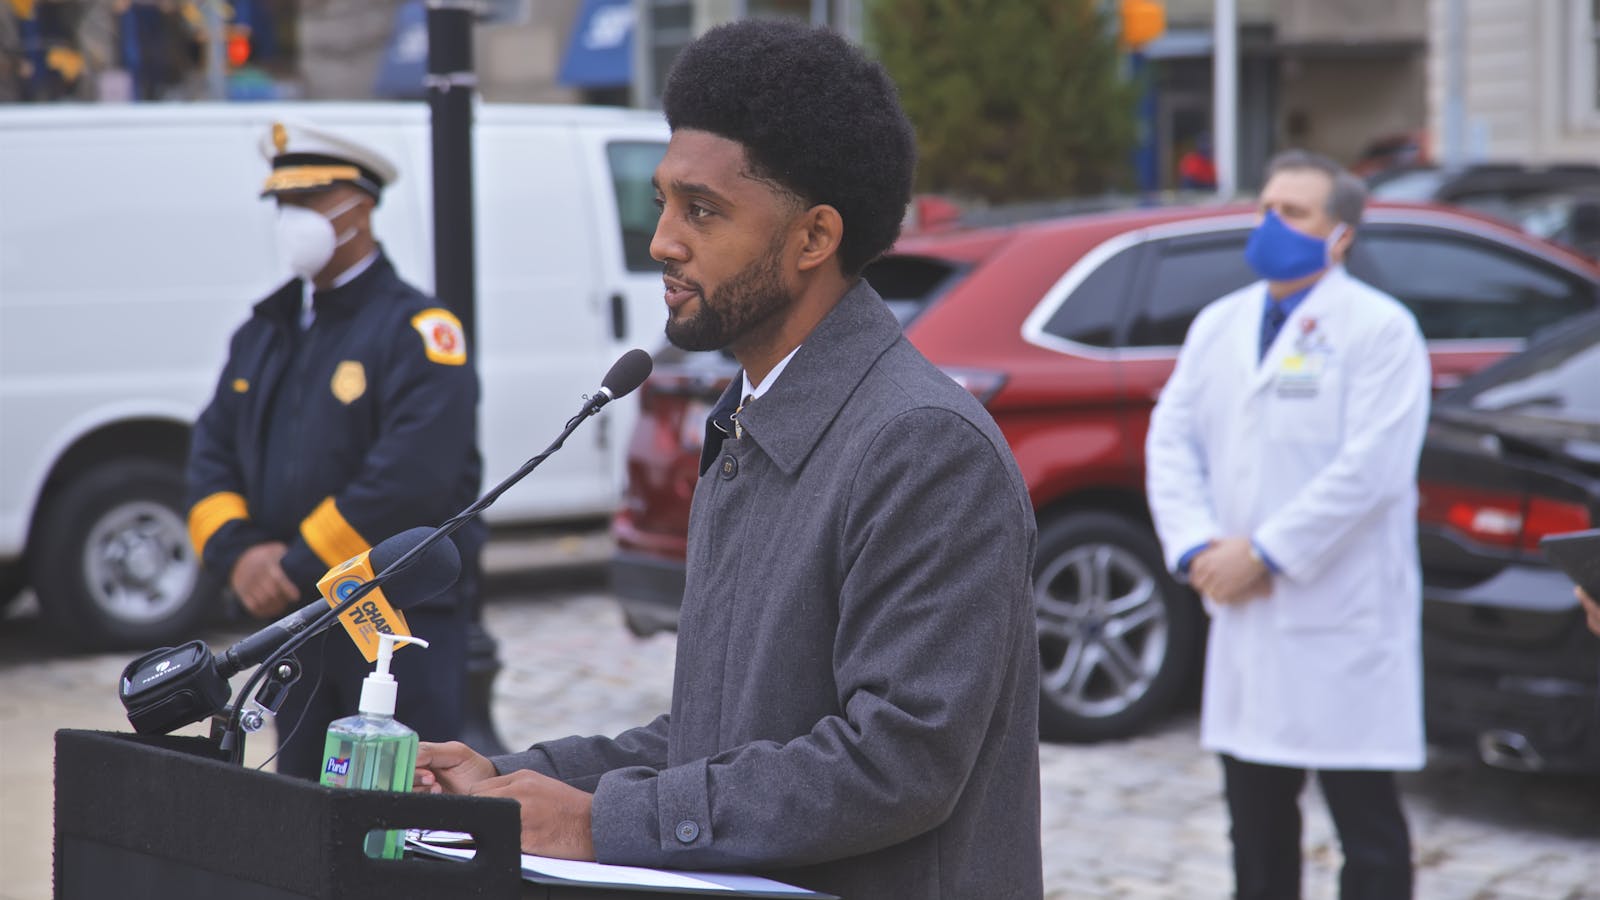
(306, 240)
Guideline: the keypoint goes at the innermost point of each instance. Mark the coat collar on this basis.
(1314, 308)
(284, 303)
(789, 420)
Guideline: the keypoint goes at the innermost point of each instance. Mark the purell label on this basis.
(339, 767)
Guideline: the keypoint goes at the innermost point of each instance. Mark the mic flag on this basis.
(373, 614)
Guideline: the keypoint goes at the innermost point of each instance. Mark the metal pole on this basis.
(451, 84)
(216, 51)
(1225, 96)
(1454, 151)
(643, 83)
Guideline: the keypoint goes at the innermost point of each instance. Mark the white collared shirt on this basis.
(308, 290)
(755, 390)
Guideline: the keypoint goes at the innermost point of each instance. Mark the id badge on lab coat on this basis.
(1305, 405)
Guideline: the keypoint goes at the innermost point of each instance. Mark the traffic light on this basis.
(1142, 21)
(237, 44)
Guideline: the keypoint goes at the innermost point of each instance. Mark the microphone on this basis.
(172, 687)
(626, 374)
(429, 577)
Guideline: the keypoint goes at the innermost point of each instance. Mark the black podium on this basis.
(157, 818)
(163, 817)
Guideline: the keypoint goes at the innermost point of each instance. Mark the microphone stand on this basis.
(232, 738)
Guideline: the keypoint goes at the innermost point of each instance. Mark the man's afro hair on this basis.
(815, 116)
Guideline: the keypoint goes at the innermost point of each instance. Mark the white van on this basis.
(132, 244)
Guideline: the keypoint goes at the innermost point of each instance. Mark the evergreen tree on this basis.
(1011, 99)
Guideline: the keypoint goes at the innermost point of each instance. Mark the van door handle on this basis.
(619, 316)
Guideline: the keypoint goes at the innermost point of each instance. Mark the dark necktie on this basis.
(1271, 323)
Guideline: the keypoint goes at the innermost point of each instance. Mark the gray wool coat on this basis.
(855, 703)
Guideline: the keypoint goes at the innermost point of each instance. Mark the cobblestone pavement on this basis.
(1129, 819)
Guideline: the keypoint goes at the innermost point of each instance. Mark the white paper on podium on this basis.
(441, 843)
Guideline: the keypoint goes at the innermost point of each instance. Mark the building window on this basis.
(1584, 63)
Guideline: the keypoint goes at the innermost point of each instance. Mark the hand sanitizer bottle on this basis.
(370, 750)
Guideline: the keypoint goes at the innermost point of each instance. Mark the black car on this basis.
(1513, 454)
(1558, 202)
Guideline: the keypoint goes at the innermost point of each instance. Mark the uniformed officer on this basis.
(346, 413)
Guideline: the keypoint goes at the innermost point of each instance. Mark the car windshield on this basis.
(1409, 187)
(1545, 394)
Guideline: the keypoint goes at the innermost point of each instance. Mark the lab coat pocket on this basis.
(1342, 598)
(1305, 404)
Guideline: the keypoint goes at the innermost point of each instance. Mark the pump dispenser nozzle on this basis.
(378, 690)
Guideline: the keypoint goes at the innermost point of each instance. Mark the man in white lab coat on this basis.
(1282, 461)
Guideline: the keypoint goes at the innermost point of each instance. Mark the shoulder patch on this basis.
(442, 336)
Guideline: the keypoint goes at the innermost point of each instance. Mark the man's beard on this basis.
(735, 309)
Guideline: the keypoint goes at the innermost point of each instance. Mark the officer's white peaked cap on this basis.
(307, 158)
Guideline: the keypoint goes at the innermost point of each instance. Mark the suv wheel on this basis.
(112, 564)
(1118, 638)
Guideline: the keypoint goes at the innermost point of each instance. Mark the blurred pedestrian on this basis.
(1282, 459)
(346, 412)
(1196, 169)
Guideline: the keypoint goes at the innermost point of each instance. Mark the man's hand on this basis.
(1591, 609)
(1229, 572)
(452, 768)
(260, 582)
(555, 816)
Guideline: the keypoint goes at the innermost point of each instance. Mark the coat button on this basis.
(688, 831)
(730, 468)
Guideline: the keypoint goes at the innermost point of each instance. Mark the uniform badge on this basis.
(349, 381)
(240, 386)
(442, 336)
(280, 137)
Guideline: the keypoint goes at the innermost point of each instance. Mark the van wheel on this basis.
(112, 565)
(1118, 638)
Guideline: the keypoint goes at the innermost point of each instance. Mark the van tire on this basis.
(112, 563)
(1101, 591)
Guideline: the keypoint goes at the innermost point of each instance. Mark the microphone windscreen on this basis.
(427, 576)
(627, 373)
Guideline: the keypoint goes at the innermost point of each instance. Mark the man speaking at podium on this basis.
(855, 703)
(345, 413)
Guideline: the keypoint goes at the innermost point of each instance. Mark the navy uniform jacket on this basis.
(334, 438)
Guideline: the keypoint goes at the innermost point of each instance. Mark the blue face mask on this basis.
(1279, 253)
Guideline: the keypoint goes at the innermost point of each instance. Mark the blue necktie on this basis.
(1271, 323)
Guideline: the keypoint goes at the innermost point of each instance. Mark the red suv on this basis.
(1067, 330)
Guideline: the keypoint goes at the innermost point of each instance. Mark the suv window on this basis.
(1090, 313)
(1186, 273)
(633, 164)
(908, 284)
(1461, 287)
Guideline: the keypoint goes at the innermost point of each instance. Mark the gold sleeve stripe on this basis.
(329, 536)
(210, 514)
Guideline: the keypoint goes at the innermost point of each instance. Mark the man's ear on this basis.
(822, 228)
(1341, 247)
